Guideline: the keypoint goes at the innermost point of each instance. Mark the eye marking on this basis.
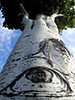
(35, 76)
(39, 75)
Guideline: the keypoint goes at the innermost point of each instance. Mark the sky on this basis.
(8, 39)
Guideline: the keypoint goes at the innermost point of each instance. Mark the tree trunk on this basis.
(40, 67)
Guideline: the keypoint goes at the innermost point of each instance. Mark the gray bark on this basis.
(40, 67)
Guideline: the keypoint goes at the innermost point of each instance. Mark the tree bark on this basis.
(40, 67)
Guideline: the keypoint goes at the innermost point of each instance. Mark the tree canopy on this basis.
(13, 15)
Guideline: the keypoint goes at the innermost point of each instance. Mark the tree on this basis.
(40, 66)
(47, 7)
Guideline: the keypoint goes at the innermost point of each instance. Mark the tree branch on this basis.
(23, 10)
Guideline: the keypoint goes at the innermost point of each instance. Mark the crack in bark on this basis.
(32, 26)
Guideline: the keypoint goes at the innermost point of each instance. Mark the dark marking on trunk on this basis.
(33, 85)
(13, 60)
(32, 25)
(40, 86)
(16, 52)
(18, 59)
(26, 36)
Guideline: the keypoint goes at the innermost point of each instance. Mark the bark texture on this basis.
(40, 67)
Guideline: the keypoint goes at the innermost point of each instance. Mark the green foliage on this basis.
(11, 11)
(69, 15)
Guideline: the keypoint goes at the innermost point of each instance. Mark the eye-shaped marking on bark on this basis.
(45, 76)
(39, 75)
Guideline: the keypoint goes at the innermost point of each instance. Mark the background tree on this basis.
(13, 16)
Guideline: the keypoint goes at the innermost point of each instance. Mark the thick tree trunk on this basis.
(40, 67)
